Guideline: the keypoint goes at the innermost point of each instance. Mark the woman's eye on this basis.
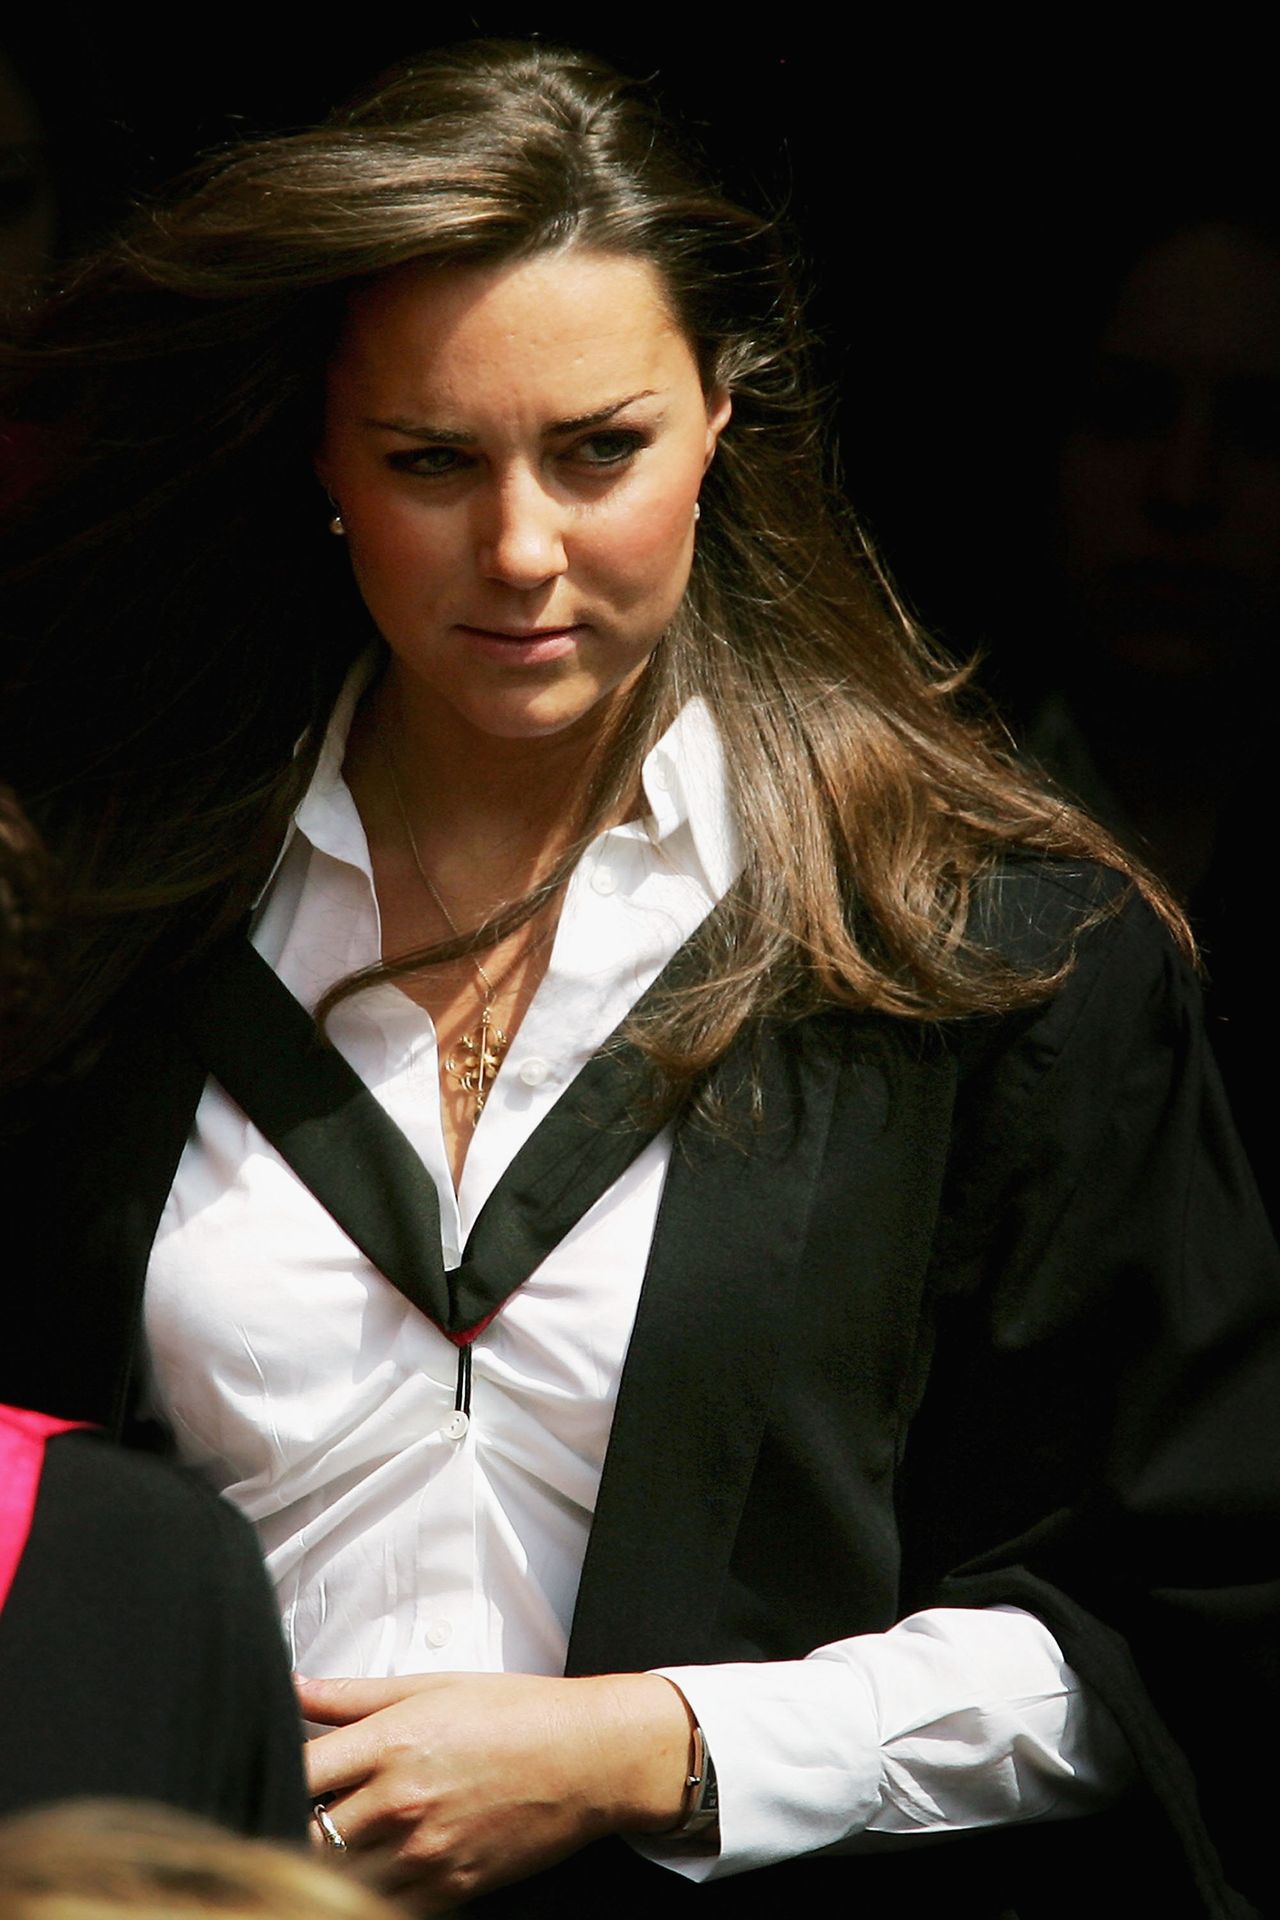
(611, 449)
(431, 462)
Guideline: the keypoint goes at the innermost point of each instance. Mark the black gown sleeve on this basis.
(1100, 1437)
(140, 1653)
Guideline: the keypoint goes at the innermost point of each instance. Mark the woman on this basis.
(617, 728)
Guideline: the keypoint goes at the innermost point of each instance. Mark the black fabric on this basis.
(85, 1170)
(964, 1315)
(266, 1051)
(139, 1650)
(1100, 1868)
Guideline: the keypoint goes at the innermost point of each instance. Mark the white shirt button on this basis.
(439, 1633)
(533, 1071)
(658, 775)
(455, 1426)
(604, 880)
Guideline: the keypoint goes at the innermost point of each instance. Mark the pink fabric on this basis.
(22, 1442)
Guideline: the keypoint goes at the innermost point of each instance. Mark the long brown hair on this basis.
(179, 624)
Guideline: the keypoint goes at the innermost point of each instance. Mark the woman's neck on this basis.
(486, 816)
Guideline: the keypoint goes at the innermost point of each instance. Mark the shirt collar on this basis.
(326, 815)
(686, 781)
(684, 777)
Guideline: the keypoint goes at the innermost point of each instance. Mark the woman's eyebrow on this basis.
(455, 437)
(417, 430)
(599, 418)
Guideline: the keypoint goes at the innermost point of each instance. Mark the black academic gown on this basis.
(140, 1654)
(975, 1313)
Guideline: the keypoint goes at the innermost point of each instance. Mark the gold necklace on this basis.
(475, 1061)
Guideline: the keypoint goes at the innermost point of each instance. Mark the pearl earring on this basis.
(697, 510)
(336, 526)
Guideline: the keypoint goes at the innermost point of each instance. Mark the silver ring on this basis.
(325, 1821)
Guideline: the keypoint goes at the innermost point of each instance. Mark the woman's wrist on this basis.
(644, 1728)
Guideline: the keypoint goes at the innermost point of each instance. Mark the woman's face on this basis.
(516, 454)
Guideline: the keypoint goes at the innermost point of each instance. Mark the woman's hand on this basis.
(449, 1784)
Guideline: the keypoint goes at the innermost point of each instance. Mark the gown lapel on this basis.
(264, 1048)
(720, 1291)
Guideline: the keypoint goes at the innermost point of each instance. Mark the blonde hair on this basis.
(103, 1859)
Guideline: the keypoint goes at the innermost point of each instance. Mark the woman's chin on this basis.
(548, 714)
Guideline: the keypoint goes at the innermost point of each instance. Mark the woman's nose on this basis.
(1184, 467)
(521, 534)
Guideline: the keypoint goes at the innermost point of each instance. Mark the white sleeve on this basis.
(955, 1718)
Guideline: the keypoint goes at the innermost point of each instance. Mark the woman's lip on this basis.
(530, 646)
(518, 633)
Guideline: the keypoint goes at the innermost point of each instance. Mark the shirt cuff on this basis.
(956, 1718)
(822, 1772)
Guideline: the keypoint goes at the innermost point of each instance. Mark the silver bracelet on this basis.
(701, 1808)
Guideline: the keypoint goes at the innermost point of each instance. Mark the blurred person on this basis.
(104, 1859)
(1165, 677)
(1169, 536)
(138, 1651)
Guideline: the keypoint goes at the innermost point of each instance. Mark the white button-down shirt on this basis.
(404, 1536)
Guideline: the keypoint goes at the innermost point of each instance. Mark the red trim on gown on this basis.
(22, 1442)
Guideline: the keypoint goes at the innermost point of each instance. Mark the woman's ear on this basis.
(320, 468)
(719, 407)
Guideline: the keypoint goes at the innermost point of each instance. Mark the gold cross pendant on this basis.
(474, 1062)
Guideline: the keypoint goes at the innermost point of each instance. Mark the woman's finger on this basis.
(337, 1761)
(341, 1759)
(336, 1703)
(363, 1819)
(399, 1851)
(386, 1866)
